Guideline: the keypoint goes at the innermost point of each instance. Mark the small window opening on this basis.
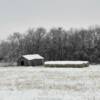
(22, 63)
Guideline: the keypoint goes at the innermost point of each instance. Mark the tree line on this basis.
(55, 44)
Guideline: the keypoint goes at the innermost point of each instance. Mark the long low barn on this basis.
(66, 64)
(30, 60)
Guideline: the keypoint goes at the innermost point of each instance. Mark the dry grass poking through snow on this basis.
(50, 83)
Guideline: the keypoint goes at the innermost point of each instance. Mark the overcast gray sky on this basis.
(19, 15)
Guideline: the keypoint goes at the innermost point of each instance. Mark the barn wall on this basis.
(25, 62)
(36, 62)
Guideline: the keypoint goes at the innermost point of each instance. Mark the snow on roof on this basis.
(32, 56)
(66, 62)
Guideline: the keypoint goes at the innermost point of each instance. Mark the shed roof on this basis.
(32, 56)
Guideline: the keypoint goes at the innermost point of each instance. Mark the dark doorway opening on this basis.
(22, 63)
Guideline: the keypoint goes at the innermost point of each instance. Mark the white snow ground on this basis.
(39, 83)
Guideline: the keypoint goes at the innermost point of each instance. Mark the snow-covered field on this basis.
(39, 83)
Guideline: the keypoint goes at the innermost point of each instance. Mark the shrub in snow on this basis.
(66, 64)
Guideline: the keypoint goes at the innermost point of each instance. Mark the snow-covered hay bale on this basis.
(74, 64)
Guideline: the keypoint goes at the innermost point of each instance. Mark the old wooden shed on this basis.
(30, 60)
